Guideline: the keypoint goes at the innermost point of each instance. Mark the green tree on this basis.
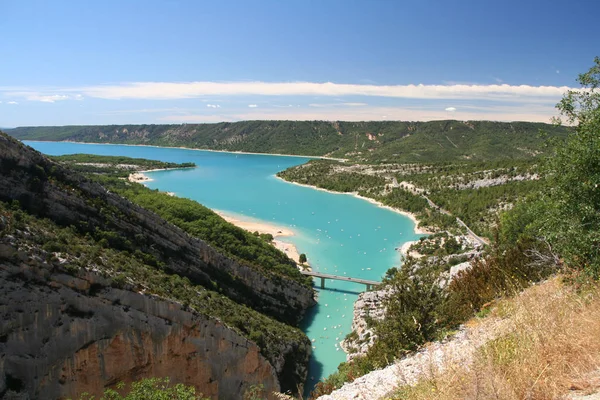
(571, 217)
(302, 258)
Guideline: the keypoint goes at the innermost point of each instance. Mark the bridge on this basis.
(369, 284)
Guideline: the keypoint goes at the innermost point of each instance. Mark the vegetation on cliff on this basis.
(78, 227)
(203, 223)
(76, 253)
(149, 389)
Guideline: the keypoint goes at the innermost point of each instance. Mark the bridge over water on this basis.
(368, 283)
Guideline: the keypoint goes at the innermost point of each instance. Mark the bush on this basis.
(149, 389)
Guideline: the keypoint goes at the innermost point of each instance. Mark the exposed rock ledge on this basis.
(368, 305)
(407, 371)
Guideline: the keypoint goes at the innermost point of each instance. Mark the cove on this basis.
(340, 234)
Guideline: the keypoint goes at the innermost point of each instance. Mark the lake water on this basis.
(340, 234)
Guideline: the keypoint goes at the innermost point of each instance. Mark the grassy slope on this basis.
(552, 347)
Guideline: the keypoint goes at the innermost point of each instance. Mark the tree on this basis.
(570, 217)
(302, 258)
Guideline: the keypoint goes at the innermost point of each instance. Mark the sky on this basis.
(71, 62)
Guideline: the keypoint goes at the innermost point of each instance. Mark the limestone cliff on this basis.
(63, 335)
(68, 328)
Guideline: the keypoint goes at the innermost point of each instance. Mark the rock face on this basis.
(65, 333)
(368, 305)
(72, 334)
(48, 190)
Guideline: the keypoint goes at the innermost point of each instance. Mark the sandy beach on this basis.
(265, 227)
(141, 177)
(249, 225)
(404, 250)
(418, 230)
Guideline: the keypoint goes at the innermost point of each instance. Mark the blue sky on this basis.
(102, 62)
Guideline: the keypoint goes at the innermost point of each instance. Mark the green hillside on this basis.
(384, 141)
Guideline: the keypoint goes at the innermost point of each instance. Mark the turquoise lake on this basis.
(340, 234)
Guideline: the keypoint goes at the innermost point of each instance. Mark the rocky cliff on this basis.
(70, 326)
(48, 190)
(63, 335)
(369, 305)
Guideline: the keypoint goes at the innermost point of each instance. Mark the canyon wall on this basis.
(63, 335)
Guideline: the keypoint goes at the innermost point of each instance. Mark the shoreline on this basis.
(404, 250)
(140, 176)
(411, 216)
(255, 225)
(262, 227)
(191, 148)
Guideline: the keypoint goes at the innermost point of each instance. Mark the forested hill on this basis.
(370, 141)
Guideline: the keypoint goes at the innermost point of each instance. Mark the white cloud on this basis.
(12, 102)
(337, 104)
(558, 71)
(252, 105)
(537, 113)
(451, 109)
(213, 106)
(181, 90)
(48, 98)
(44, 97)
(178, 119)
(144, 111)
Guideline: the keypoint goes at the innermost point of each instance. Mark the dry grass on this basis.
(552, 348)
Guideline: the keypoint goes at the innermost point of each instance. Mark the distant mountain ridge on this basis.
(383, 141)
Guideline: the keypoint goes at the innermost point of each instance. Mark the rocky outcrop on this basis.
(369, 305)
(63, 335)
(48, 190)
